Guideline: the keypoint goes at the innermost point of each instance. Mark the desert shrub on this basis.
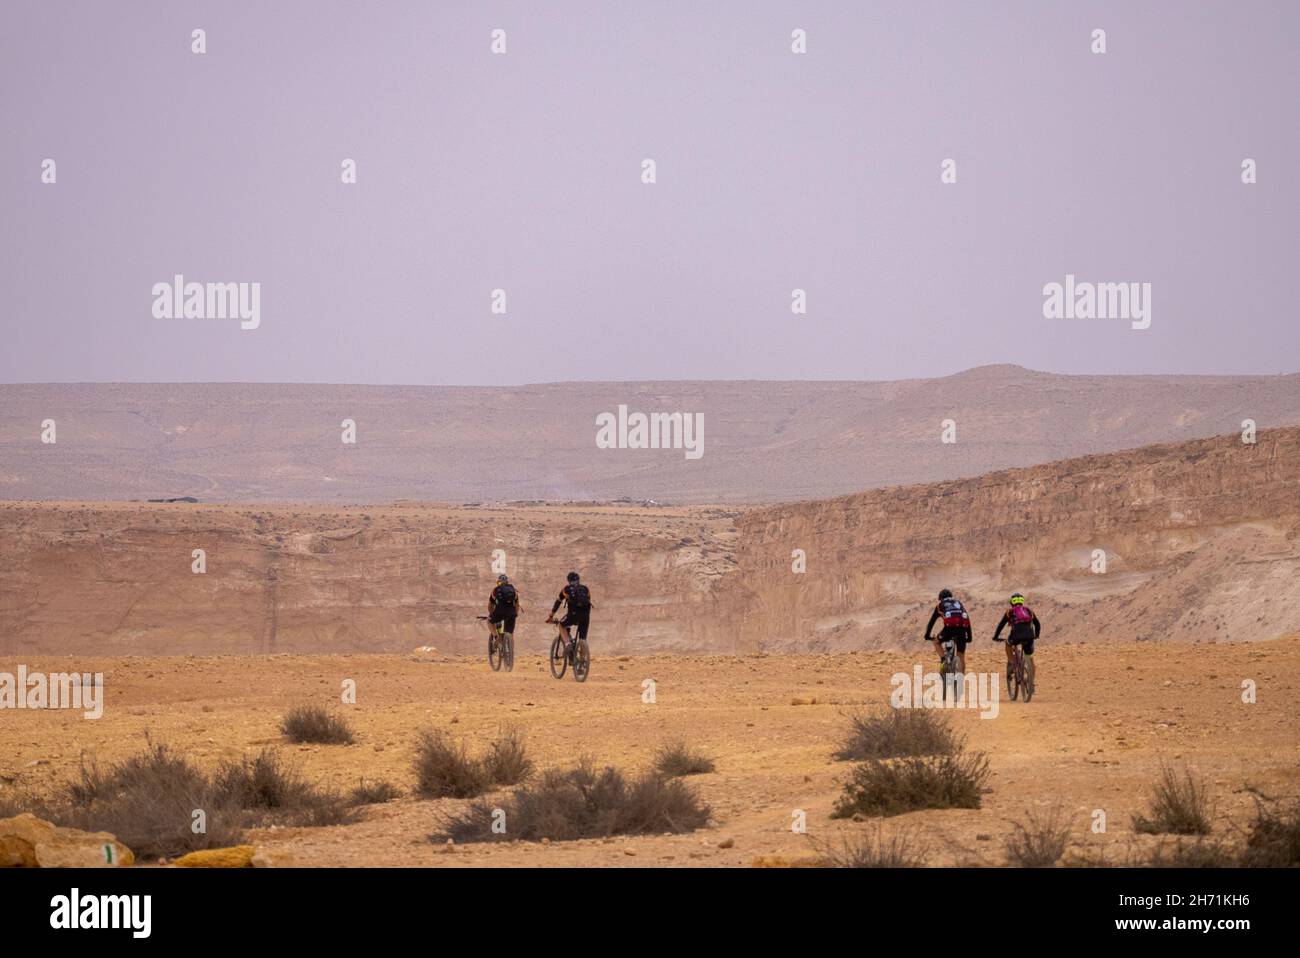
(1202, 853)
(373, 793)
(676, 759)
(148, 802)
(275, 792)
(320, 807)
(1273, 840)
(14, 802)
(264, 781)
(1039, 841)
(584, 803)
(1180, 805)
(897, 733)
(312, 723)
(899, 850)
(443, 768)
(909, 784)
(507, 762)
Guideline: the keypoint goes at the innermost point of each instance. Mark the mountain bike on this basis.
(949, 667)
(1018, 676)
(501, 648)
(565, 652)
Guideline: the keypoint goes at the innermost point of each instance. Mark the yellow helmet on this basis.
(1017, 599)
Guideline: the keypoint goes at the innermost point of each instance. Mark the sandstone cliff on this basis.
(1199, 539)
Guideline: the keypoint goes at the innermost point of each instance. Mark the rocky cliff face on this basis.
(1201, 542)
(118, 578)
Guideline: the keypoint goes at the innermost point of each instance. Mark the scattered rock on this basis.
(236, 856)
(727, 842)
(791, 861)
(30, 842)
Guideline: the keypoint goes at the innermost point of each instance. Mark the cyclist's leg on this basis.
(584, 620)
(938, 649)
(961, 641)
(510, 625)
(1028, 648)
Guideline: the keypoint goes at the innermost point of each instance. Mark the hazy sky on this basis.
(522, 171)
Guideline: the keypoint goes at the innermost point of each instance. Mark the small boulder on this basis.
(30, 842)
(237, 856)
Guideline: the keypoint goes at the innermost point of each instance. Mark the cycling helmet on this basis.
(502, 579)
(1017, 599)
(573, 577)
(945, 594)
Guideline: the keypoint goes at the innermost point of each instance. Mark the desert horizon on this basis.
(757, 442)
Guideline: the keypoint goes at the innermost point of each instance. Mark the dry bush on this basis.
(1202, 853)
(314, 724)
(14, 802)
(899, 850)
(444, 769)
(275, 792)
(507, 763)
(1180, 805)
(676, 759)
(148, 803)
(897, 733)
(1040, 841)
(911, 784)
(1274, 837)
(583, 803)
(374, 793)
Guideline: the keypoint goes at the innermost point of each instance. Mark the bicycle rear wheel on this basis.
(1028, 686)
(508, 651)
(581, 661)
(494, 651)
(559, 661)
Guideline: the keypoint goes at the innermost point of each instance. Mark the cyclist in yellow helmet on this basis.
(1025, 628)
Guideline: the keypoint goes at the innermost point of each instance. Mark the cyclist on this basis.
(956, 626)
(503, 607)
(1025, 628)
(578, 605)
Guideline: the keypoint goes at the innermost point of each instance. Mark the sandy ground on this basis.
(1093, 738)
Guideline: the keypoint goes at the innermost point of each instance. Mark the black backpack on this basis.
(577, 596)
(505, 594)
